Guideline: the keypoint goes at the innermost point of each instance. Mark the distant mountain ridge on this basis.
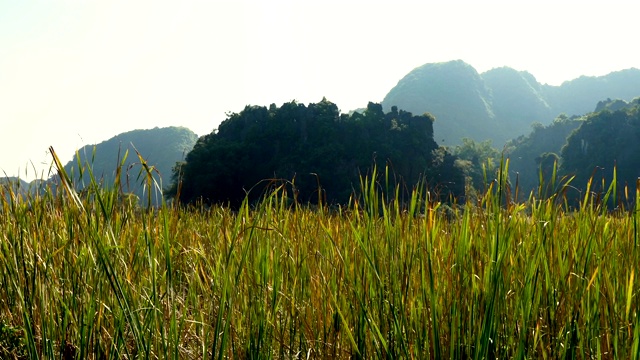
(161, 148)
(502, 103)
(18, 187)
(11, 185)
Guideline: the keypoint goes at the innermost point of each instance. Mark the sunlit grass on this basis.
(94, 277)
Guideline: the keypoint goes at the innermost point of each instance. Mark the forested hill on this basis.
(582, 148)
(161, 148)
(501, 103)
(320, 152)
(605, 139)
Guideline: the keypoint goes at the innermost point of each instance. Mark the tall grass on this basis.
(93, 277)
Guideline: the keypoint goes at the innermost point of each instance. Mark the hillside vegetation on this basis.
(605, 147)
(532, 157)
(320, 153)
(600, 145)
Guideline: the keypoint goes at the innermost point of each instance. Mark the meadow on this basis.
(96, 277)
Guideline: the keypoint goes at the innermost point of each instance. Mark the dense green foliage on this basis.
(529, 155)
(479, 162)
(161, 148)
(88, 277)
(320, 152)
(579, 147)
(606, 139)
(501, 103)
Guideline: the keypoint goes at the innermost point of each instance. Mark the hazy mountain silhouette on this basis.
(454, 93)
(577, 96)
(501, 103)
(518, 101)
(13, 186)
(161, 148)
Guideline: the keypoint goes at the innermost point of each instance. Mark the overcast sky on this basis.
(80, 72)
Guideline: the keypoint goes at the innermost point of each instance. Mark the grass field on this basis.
(95, 277)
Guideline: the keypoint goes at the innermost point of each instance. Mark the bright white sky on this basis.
(80, 72)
